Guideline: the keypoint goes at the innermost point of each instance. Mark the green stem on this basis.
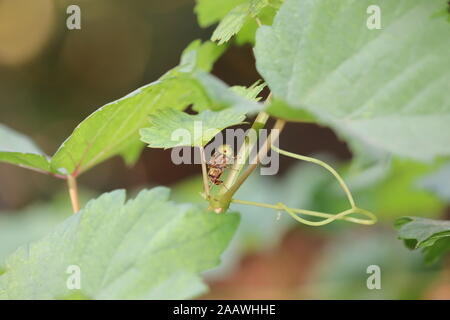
(73, 192)
(249, 142)
(328, 217)
(326, 166)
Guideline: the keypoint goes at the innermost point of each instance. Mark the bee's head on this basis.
(225, 149)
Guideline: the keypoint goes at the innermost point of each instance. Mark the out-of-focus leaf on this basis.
(386, 87)
(247, 33)
(33, 222)
(146, 248)
(432, 235)
(251, 92)
(18, 149)
(170, 128)
(19, 228)
(236, 18)
(212, 11)
(438, 182)
(342, 270)
(278, 108)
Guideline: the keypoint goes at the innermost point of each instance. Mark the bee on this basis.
(221, 159)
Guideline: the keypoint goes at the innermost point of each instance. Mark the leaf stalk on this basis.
(73, 192)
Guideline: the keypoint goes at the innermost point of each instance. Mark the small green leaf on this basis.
(220, 96)
(146, 248)
(18, 149)
(170, 128)
(251, 92)
(438, 182)
(280, 109)
(236, 18)
(386, 87)
(248, 31)
(432, 235)
(211, 11)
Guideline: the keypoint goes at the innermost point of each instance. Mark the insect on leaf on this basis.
(211, 11)
(145, 248)
(170, 128)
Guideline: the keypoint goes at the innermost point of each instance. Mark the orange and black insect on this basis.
(221, 160)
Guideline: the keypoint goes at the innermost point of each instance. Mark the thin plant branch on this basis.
(323, 164)
(258, 21)
(204, 172)
(273, 136)
(73, 192)
(249, 142)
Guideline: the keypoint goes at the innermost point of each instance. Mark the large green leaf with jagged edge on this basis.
(145, 248)
(233, 22)
(113, 129)
(18, 149)
(170, 128)
(431, 235)
(438, 182)
(386, 87)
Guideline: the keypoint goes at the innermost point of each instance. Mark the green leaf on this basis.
(438, 182)
(146, 248)
(278, 108)
(385, 87)
(220, 96)
(248, 31)
(251, 92)
(31, 223)
(170, 128)
(340, 270)
(18, 149)
(388, 189)
(211, 11)
(200, 56)
(236, 18)
(114, 128)
(432, 235)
